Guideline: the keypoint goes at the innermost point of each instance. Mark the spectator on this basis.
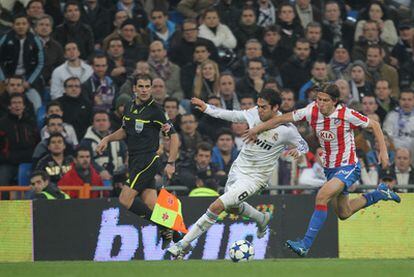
(206, 81)
(160, 28)
(115, 116)
(288, 101)
(320, 49)
(39, 180)
(53, 51)
(238, 129)
(402, 51)
(369, 105)
(54, 125)
(253, 83)
(227, 91)
(224, 152)
(370, 36)
(119, 67)
(201, 173)
(334, 30)
(183, 47)
(14, 84)
(359, 84)
(188, 72)
(54, 118)
(296, 71)
(135, 11)
(82, 172)
(247, 102)
(272, 84)
(340, 65)
(18, 138)
(114, 157)
(345, 95)
(247, 28)
(73, 67)
(406, 70)
(135, 49)
(399, 123)
(401, 170)
(158, 92)
(55, 163)
(272, 49)
(376, 11)
(76, 109)
(119, 18)
(218, 33)
(253, 50)
(172, 109)
(385, 101)
(21, 53)
(229, 10)
(307, 12)
(100, 89)
(319, 74)
(162, 68)
(290, 24)
(193, 8)
(189, 137)
(266, 13)
(208, 125)
(73, 30)
(98, 19)
(35, 10)
(377, 69)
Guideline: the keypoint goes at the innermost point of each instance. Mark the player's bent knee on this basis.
(217, 206)
(343, 215)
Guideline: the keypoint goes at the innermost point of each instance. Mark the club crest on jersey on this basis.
(327, 135)
(275, 136)
(337, 121)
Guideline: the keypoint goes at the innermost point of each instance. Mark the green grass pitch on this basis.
(197, 268)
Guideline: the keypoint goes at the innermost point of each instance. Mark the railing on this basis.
(85, 190)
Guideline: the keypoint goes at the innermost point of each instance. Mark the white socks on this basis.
(202, 225)
(246, 209)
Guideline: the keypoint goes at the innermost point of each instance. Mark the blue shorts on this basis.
(348, 174)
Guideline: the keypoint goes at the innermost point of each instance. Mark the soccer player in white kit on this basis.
(251, 170)
(333, 124)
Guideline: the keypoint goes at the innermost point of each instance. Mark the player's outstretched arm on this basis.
(117, 135)
(233, 116)
(379, 136)
(251, 134)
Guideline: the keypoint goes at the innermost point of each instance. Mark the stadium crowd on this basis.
(66, 67)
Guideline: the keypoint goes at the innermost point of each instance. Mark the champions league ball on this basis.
(241, 251)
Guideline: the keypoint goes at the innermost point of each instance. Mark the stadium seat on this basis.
(23, 177)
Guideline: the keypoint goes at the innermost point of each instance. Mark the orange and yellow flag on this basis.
(167, 212)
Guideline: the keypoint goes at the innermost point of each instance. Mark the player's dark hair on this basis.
(40, 173)
(55, 135)
(331, 89)
(270, 96)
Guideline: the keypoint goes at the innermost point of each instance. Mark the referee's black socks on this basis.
(139, 208)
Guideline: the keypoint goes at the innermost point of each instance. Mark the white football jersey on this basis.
(259, 159)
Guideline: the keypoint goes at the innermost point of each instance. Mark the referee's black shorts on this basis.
(142, 170)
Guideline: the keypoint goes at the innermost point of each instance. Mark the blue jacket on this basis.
(217, 159)
(153, 35)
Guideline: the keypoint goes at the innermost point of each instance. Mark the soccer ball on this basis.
(241, 251)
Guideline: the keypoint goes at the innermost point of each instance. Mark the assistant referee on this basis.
(142, 122)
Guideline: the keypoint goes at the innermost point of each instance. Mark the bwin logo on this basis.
(263, 144)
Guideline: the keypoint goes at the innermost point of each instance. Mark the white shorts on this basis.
(239, 187)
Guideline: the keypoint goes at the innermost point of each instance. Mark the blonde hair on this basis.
(199, 79)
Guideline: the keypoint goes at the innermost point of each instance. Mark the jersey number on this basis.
(243, 196)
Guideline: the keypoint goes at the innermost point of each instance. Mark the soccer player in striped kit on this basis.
(333, 124)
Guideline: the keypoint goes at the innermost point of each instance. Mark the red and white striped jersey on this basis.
(335, 132)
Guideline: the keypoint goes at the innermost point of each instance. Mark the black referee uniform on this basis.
(142, 124)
